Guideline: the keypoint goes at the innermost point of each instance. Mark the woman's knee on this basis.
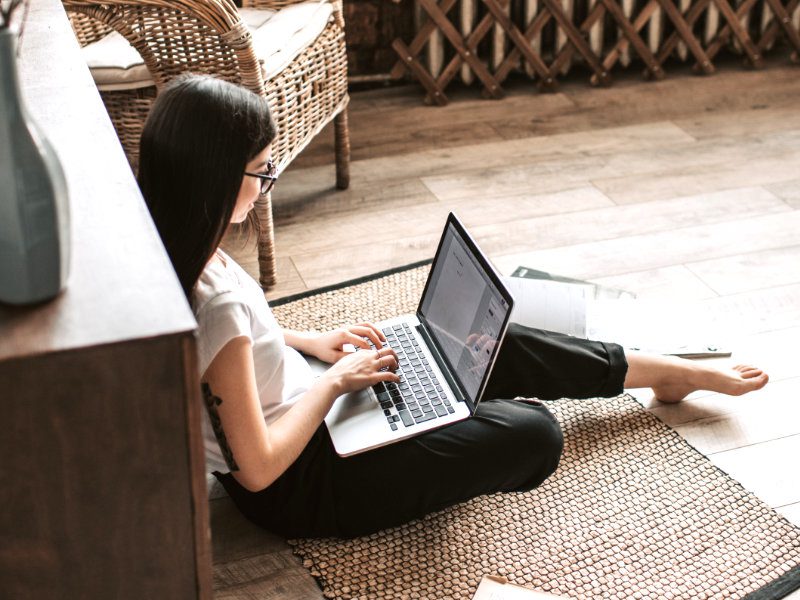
(542, 433)
(533, 443)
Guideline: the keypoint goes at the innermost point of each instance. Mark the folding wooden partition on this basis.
(546, 37)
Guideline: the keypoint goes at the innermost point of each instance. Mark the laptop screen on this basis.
(465, 308)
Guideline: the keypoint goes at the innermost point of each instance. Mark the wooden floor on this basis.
(688, 189)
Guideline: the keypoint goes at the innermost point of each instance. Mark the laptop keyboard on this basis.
(419, 397)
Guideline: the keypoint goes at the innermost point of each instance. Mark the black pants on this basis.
(508, 445)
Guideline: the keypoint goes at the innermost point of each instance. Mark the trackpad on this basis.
(352, 405)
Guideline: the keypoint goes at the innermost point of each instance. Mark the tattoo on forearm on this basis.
(212, 402)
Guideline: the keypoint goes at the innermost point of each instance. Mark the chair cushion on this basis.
(278, 37)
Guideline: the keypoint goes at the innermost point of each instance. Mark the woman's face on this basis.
(251, 186)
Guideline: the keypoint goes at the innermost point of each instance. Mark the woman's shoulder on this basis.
(216, 285)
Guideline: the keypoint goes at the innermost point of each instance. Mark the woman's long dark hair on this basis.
(198, 138)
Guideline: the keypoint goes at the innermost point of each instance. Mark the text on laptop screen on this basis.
(464, 312)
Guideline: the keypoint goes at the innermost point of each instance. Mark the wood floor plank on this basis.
(233, 537)
(250, 562)
(767, 414)
(789, 191)
(754, 312)
(352, 228)
(750, 169)
(678, 96)
(480, 158)
(395, 128)
(317, 250)
(752, 271)
(632, 222)
(639, 173)
(300, 198)
(360, 232)
(387, 124)
(396, 141)
(525, 113)
(659, 249)
(771, 87)
(769, 470)
(264, 577)
(736, 123)
(337, 264)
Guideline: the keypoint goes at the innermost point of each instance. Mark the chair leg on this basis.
(266, 242)
(342, 149)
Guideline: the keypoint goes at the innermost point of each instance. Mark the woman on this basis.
(205, 159)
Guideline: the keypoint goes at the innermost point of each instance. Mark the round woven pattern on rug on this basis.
(633, 511)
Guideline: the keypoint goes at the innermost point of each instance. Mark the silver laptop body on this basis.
(447, 350)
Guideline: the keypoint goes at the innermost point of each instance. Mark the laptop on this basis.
(446, 352)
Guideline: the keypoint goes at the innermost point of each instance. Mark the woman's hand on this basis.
(328, 346)
(361, 369)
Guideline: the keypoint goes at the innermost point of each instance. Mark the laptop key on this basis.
(440, 410)
(426, 417)
(393, 426)
(408, 421)
(450, 409)
(387, 412)
(416, 414)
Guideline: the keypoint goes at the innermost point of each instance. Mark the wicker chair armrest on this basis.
(221, 16)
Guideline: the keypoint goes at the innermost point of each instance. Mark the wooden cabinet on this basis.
(102, 483)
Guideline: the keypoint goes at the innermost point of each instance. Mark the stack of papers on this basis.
(587, 310)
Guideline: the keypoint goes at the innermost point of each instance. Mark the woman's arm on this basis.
(328, 346)
(258, 454)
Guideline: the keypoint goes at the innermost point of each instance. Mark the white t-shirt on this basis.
(228, 303)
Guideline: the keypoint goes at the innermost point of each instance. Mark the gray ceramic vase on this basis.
(34, 210)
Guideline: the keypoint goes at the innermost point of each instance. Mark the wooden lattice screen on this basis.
(485, 40)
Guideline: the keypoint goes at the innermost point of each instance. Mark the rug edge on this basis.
(778, 588)
(358, 280)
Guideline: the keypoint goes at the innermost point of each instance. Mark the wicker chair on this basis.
(210, 36)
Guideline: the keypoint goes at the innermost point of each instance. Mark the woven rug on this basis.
(633, 511)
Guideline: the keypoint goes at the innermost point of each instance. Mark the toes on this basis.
(756, 382)
(751, 372)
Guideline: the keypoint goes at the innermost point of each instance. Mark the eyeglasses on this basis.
(268, 179)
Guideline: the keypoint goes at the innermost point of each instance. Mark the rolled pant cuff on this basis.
(617, 370)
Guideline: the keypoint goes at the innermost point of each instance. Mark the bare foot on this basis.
(672, 378)
(739, 380)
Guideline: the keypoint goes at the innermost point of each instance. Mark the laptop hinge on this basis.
(442, 363)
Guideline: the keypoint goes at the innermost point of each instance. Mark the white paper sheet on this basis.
(658, 327)
(549, 305)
